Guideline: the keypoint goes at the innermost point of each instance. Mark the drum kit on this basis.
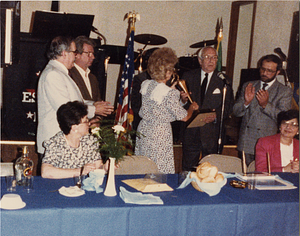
(116, 54)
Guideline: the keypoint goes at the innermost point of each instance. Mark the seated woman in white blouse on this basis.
(283, 148)
(73, 147)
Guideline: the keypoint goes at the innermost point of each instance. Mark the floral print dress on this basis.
(59, 154)
(160, 106)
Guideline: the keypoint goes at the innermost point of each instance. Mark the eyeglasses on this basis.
(89, 53)
(75, 52)
(208, 58)
(268, 71)
(293, 124)
(85, 122)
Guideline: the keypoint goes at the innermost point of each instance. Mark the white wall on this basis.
(182, 23)
(273, 25)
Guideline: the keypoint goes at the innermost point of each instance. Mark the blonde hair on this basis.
(160, 62)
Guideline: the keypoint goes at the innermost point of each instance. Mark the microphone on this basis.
(280, 53)
(223, 77)
(96, 31)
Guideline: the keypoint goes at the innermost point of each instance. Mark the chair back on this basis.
(251, 167)
(134, 165)
(224, 163)
(6, 168)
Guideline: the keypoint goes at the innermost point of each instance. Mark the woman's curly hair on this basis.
(160, 62)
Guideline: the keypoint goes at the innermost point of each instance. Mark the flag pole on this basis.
(124, 114)
(224, 91)
(219, 46)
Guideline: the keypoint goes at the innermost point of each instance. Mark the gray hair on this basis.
(200, 52)
(80, 40)
(58, 45)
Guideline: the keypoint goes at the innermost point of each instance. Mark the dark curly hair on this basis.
(70, 114)
(287, 115)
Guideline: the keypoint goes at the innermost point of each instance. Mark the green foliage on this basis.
(114, 141)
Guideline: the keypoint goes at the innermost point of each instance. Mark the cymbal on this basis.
(150, 39)
(204, 43)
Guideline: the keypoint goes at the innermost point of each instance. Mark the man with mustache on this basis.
(259, 103)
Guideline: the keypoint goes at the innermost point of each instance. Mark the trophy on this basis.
(181, 83)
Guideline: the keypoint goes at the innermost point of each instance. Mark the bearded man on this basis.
(259, 103)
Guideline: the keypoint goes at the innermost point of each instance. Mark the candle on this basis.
(244, 164)
(269, 165)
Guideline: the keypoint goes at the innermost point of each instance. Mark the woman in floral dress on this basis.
(73, 147)
(160, 106)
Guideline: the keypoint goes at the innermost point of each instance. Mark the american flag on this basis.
(124, 115)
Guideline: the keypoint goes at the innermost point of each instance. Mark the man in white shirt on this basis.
(206, 88)
(87, 82)
(56, 87)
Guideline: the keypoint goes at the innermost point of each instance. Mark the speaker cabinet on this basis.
(19, 118)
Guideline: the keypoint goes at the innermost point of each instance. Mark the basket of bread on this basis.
(207, 179)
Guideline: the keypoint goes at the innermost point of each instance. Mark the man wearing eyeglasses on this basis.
(259, 103)
(87, 82)
(206, 88)
(55, 87)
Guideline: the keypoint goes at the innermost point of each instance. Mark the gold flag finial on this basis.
(132, 17)
(220, 34)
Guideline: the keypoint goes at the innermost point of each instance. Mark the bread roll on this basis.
(208, 180)
(219, 178)
(213, 172)
(203, 170)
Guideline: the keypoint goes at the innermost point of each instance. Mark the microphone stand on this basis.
(222, 118)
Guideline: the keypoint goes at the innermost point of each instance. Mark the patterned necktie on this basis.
(203, 87)
(264, 86)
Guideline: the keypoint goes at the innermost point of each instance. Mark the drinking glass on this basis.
(28, 186)
(11, 183)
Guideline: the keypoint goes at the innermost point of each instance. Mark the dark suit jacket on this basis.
(209, 133)
(271, 145)
(75, 75)
(258, 122)
(136, 97)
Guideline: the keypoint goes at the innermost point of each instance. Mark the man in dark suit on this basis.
(259, 103)
(136, 97)
(202, 141)
(87, 82)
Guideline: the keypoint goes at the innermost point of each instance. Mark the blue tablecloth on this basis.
(185, 212)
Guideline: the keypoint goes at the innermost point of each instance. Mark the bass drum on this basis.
(186, 64)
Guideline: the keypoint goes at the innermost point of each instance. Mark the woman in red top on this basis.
(283, 148)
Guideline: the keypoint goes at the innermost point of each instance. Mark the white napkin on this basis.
(211, 189)
(139, 198)
(93, 182)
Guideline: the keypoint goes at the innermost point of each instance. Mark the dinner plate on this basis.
(72, 191)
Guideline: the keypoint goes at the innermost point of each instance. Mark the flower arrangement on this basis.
(114, 141)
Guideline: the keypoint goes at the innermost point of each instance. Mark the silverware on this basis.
(52, 191)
